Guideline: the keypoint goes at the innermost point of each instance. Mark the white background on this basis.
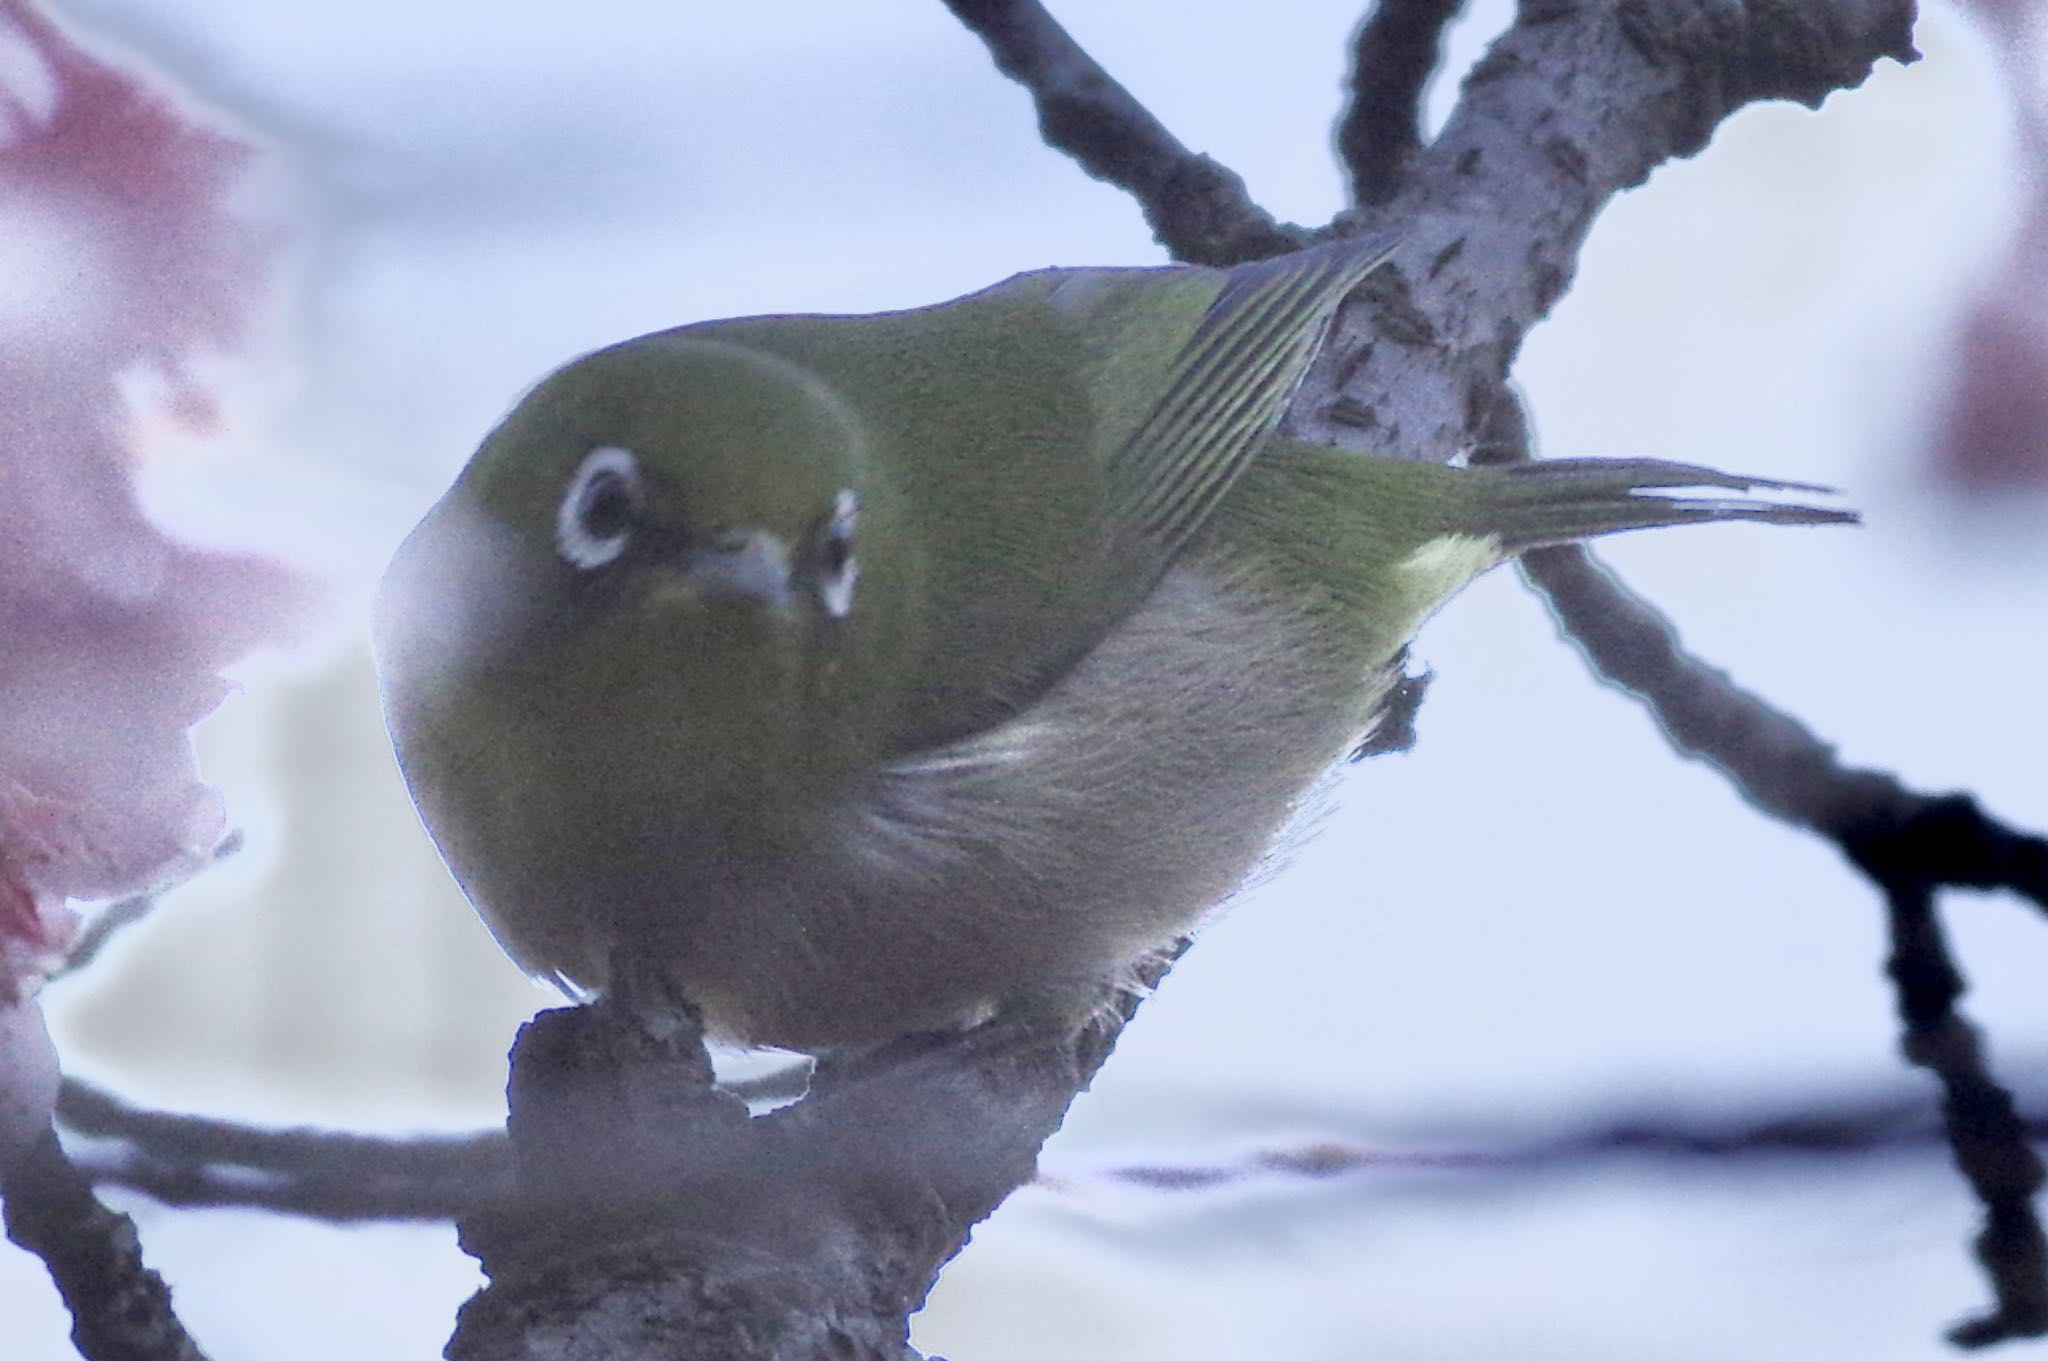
(1538, 919)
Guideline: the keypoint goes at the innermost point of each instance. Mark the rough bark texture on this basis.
(653, 1217)
(1573, 104)
(120, 1309)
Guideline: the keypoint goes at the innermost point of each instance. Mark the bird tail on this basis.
(1555, 501)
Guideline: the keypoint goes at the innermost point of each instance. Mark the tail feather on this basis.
(1556, 501)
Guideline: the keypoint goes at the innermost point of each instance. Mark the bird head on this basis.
(657, 556)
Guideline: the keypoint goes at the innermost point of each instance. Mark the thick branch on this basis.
(1574, 103)
(1393, 56)
(120, 1309)
(1196, 208)
(703, 1233)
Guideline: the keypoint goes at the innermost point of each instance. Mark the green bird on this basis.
(871, 674)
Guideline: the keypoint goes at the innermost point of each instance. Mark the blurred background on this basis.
(1537, 923)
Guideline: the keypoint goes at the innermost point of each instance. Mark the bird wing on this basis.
(1225, 390)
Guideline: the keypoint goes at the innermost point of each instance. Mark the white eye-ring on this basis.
(595, 521)
(840, 570)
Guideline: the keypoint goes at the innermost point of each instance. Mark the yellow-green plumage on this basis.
(869, 673)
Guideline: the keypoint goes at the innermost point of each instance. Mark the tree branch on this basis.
(120, 1309)
(1880, 1123)
(702, 1233)
(322, 1174)
(1985, 1132)
(343, 1178)
(1894, 835)
(1576, 101)
(1196, 208)
(1393, 55)
(1906, 843)
(115, 918)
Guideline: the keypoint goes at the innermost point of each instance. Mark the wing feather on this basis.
(1227, 388)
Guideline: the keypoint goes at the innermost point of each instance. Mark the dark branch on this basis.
(411, 1195)
(1908, 844)
(1196, 208)
(322, 1174)
(191, 1161)
(1989, 1139)
(1885, 1123)
(120, 1309)
(1395, 52)
(84, 1109)
(1896, 836)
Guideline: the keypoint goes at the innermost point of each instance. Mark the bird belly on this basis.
(1049, 854)
(1055, 851)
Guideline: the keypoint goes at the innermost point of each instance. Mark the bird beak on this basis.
(749, 567)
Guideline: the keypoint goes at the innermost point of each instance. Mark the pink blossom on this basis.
(122, 264)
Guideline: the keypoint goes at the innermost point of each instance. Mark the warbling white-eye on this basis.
(868, 674)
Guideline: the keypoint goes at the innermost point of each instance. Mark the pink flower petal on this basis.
(136, 264)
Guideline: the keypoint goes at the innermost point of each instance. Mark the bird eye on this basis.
(595, 520)
(840, 569)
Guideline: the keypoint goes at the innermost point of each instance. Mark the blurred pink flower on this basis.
(1991, 429)
(122, 263)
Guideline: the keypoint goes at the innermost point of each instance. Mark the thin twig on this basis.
(1197, 208)
(110, 921)
(1907, 843)
(1879, 1125)
(398, 1195)
(1393, 55)
(84, 1109)
(193, 1161)
(322, 1174)
(120, 1309)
